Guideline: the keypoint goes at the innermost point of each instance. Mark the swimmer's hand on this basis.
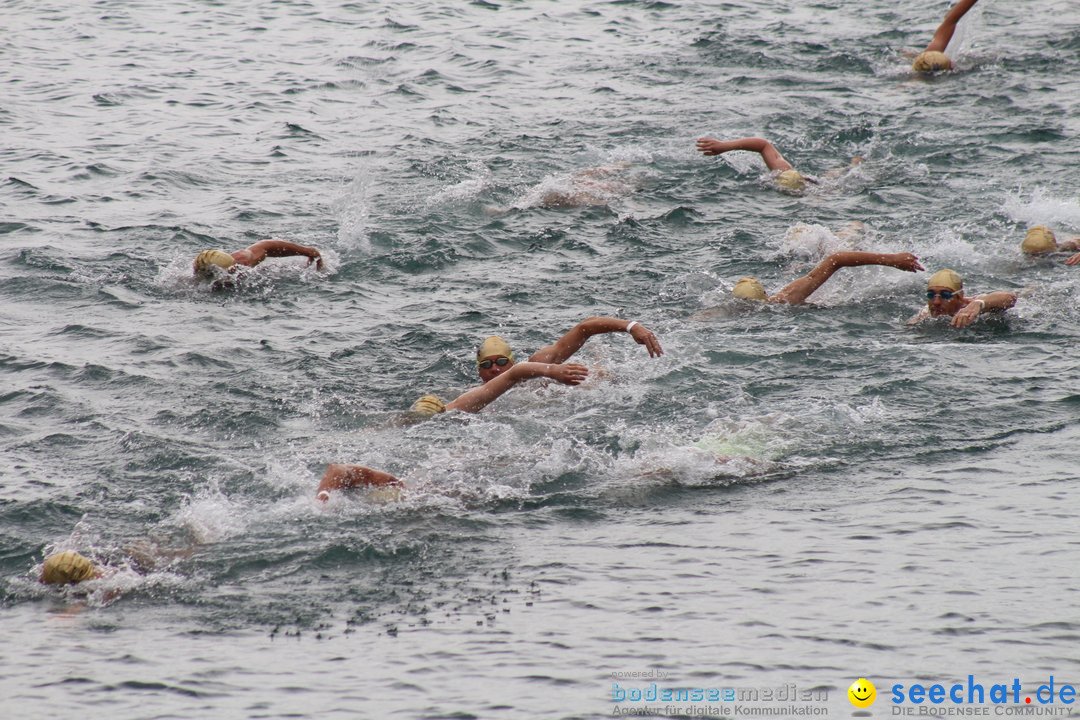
(644, 336)
(904, 261)
(968, 313)
(315, 257)
(1074, 260)
(711, 146)
(567, 373)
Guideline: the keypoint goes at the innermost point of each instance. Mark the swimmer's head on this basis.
(749, 288)
(945, 293)
(66, 568)
(493, 357)
(207, 260)
(930, 61)
(428, 406)
(1038, 240)
(791, 180)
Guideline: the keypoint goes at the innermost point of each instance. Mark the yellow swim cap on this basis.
(947, 279)
(427, 406)
(791, 180)
(930, 61)
(208, 258)
(67, 567)
(749, 288)
(494, 345)
(1039, 239)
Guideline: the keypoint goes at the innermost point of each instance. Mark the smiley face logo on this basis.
(862, 693)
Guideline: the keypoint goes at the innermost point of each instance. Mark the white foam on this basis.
(352, 208)
(210, 516)
(1043, 208)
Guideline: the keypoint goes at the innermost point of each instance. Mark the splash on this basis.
(353, 211)
(1043, 208)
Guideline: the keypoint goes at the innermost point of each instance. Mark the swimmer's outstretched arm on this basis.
(342, 477)
(797, 291)
(945, 31)
(772, 157)
(255, 254)
(479, 397)
(571, 342)
(990, 302)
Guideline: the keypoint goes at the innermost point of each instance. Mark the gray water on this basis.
(907, 513)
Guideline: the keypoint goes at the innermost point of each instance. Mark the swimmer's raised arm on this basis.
(945, 31)
(796, 292)
(274, 247)
(342, 477)
(479, 397)
(772, 157)
(578, 335)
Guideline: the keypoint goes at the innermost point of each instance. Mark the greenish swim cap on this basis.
(66, 568)
(930, 61)
(428, 406)
(1039, 239)
(749, 288)
(791, 180)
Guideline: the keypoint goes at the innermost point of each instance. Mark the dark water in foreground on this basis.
(908, 515)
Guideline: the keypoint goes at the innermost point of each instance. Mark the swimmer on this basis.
(945, 297)
(1040, 240)
(588, 187)
(207, 262)
(933, 58)
(786, 177)
(494, 356)
(71, 568)
(341, 476)
(795, 293)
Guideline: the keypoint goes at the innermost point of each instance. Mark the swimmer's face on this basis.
(496, 365)
(944, 301)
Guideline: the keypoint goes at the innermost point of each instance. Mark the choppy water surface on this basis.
(908, 514)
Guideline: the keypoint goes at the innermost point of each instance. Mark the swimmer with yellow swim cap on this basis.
(1040, 240)
(796, 293)
(209, 263)
(499, 370)
(786, 177)
(68, 568)
(945, 297)
(341, 476)
(933, 59)
(494, 356)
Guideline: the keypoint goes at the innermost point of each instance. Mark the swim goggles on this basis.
(500, 361)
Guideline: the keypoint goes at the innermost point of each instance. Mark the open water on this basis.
(907, 513)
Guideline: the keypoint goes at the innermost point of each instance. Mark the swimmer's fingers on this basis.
(569, 373)
(708, 146)
(1074, 260)
(644, 336)
(907, 262)
(966, 316)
